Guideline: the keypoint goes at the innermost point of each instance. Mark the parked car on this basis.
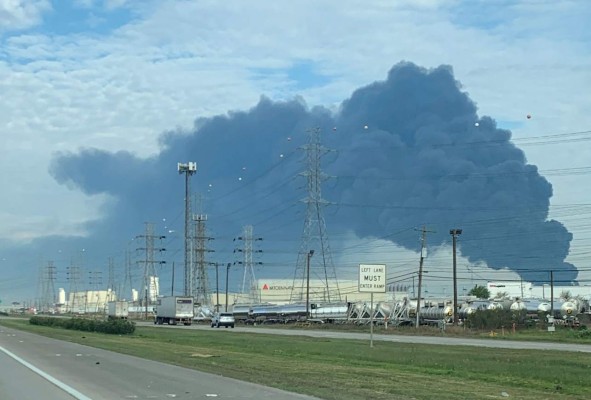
(223, 319)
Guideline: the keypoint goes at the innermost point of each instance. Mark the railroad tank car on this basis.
(357, 310)
(436, 313)
(544, 307)
(384, 309)
(241, 311)
(568, 309)
(330, 311)
(518, 305)
(495, 305)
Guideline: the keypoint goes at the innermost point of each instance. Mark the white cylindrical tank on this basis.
(436, 312)
(385, 309)
(544, 307)
(518, 306)
(466, 310)
(568, 309)
(357, 309)
(61, 297)
(495, 306)
(330, 311)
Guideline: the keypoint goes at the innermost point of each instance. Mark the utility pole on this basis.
(454, 233)
(188, 169)
(552, 293)
(217, 289)
(309, 255)
(423, 240)
(227, 276)
(172, 285)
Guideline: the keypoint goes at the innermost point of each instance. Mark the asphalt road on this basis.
(433, 340)
(36, 367)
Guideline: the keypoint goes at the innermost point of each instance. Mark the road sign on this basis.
(372, 278)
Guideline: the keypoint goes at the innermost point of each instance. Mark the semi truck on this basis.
(118, 310)
(174, 310)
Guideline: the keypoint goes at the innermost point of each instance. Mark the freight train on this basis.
(399, 312)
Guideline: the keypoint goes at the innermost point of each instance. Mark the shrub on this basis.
(116, 327)
(495, 319)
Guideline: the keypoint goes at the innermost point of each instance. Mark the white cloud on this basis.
(21, 14)
(183, 59)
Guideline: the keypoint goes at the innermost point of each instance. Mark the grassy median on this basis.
(350, 369)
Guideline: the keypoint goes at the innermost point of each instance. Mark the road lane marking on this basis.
(71, 391)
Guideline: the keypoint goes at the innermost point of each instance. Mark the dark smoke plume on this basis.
(411, 150)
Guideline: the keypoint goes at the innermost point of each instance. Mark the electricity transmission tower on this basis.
(249, 290)
(150, 287)
(127, 286)
(314, 237)
(73, 277)
(199, 283)
(111, 284)
(48, 296)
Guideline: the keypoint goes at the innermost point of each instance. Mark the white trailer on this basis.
(173, 310)
(118, 310)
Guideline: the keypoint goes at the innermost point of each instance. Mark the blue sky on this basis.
(69, 18)
(116, 74)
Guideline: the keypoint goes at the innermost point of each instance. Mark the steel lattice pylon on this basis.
(200, 284)
(314, 235)
(249, 289)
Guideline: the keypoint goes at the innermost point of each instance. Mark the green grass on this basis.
(561, 335)
(349, 369)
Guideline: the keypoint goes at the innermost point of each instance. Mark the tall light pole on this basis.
(188, 169)
(454, 234)
(308, 256)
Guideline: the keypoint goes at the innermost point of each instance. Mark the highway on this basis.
(36, 367)
(432, 340)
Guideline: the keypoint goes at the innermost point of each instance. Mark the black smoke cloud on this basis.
(411, 151)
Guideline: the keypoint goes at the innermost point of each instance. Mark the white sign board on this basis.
(372, 278)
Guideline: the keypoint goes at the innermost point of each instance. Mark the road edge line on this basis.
(71, 391)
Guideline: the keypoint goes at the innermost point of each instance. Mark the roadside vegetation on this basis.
(115, 327)
(350, 369)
